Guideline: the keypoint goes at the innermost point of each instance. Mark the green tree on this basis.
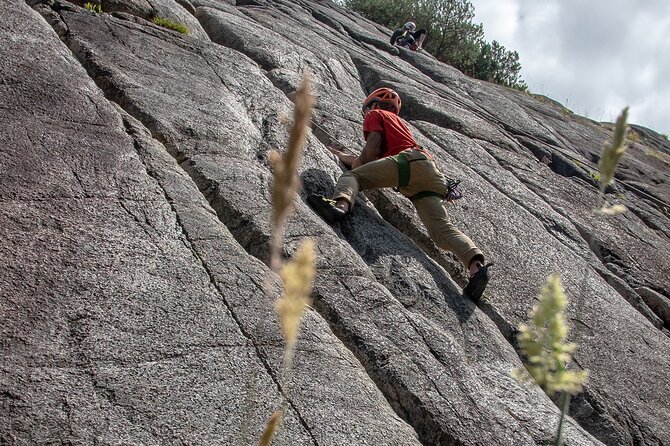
(389, 13)
(453, 38)
(496, 64)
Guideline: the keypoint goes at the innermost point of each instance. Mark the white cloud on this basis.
(506, 18)
(593, 56)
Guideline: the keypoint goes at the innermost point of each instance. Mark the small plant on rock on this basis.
(169, 24)
(654, 153)
(544, 345)
(93, 7)
(633, 136)
(578, 163)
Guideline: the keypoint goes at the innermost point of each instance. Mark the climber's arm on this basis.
(371, 151)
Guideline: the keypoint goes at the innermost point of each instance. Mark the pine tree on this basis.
(453, 37)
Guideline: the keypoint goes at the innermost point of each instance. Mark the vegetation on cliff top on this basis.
(452, 37)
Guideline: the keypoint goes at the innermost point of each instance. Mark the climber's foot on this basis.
(477, 283)
(326, 208)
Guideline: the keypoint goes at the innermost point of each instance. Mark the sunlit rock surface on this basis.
(137, 307)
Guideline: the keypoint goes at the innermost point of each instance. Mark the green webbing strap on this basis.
(403, 169)
(403, 178)
(425, 194)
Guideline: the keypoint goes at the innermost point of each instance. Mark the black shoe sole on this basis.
(477, 284)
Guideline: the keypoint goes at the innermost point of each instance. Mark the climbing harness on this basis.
(403, 169)
(453, 191)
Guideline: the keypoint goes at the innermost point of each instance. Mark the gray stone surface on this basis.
(130, 314)
(135, 202)
(177, 11)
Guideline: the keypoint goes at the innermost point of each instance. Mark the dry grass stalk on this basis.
(271, 428)
(609, 159)
(543, 343)
(297, 276)
(285, 167)
(545, 347)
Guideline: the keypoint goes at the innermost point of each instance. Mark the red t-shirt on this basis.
(397, 137)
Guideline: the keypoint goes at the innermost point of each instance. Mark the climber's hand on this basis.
(334, 151)
(346, 159)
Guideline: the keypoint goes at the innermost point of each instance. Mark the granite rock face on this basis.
(137, 307)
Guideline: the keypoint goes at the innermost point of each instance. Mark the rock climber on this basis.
(392, 158)
(408, 36)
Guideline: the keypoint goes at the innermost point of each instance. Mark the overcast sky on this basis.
(593, 56)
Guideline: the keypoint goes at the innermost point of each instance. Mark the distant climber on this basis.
(392, 158)
(408, 36)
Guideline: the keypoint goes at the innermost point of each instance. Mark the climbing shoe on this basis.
(325, 207)
(477, 283)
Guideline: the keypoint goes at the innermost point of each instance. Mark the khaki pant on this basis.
(424, 177)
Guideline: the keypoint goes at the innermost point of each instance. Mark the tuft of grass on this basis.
(593, 173)
(609, 159)
(544, 345)
(297, 276)
(655, 153)
(169, 24)
(93, 7)
(567, 112)
(578, 163)
(633, 136)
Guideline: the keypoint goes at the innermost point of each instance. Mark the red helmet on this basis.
(385, 96)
